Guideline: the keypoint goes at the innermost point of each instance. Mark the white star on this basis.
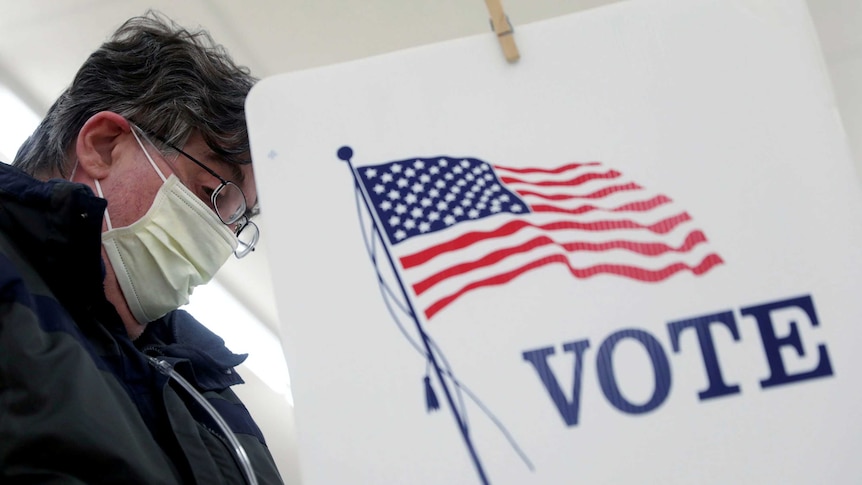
(424, 178)
(481, 205)
(409, 224)
(441, 206)
(394, 220)
(434, 216)
(473, 214)
(440, 184)
(495, 188)
(370, 173)
(402, 182)
(496, 208)
(424, 227)
(449, 220)
(417, 188)
(488, 177)
(386, 205)
(410, 198)
(434, 193)
(400, 208)
(466, 202)
(470, 177)
(457, 170)
(379, 189)
(417, 213)
(458, 211)
(516, 208)
(455, 190)
(448, 176)
(386, 177)
(478, 169)
(426, 202)
(450, 197)
(433, 170)
(504, 197)
(399, 234)
(395, 168)
(394, 194)
(442, 162)
(465, 163)
(418, 164)
(410, 172)
(461, 183)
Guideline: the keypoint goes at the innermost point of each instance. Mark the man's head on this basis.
(168, 80)
(155, 114)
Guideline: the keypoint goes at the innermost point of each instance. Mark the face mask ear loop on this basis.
(99, 191)
(74, 169)
(156, 167)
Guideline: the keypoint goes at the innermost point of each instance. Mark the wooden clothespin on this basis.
(503, 29)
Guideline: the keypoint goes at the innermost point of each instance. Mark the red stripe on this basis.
(643, 206)
(639, 274)
(465, 240)
(647, 249)
(610, 174)
(561, 169)
(595, 195)
(640, 206)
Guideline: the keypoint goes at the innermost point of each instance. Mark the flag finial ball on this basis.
(345, 153)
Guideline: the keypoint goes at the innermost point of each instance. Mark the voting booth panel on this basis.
(632, 256)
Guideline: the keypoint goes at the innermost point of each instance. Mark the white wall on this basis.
(839, 26)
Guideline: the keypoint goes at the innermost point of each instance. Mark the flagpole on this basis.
(345, 154)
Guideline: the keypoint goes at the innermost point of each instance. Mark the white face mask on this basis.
(178, 244)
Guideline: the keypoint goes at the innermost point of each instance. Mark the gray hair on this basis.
(159, 76)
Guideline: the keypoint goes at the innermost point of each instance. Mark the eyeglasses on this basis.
(229, 203)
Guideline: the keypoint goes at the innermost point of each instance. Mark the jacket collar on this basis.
(179, 337)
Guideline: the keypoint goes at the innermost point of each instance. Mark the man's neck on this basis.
(115, 295)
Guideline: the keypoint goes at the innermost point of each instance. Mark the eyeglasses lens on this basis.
(247, 235)
(229, 203)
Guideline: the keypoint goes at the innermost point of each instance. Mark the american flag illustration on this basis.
(456, 225)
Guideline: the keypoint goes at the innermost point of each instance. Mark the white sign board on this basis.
(631, 257)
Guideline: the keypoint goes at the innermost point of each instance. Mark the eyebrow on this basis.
(234, 168)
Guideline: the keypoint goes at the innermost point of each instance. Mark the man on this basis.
(136, 187)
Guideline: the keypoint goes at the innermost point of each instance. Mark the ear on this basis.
(98, 141)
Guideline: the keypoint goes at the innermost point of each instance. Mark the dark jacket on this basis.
(79, 401)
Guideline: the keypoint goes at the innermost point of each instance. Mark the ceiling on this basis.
(42, 43)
